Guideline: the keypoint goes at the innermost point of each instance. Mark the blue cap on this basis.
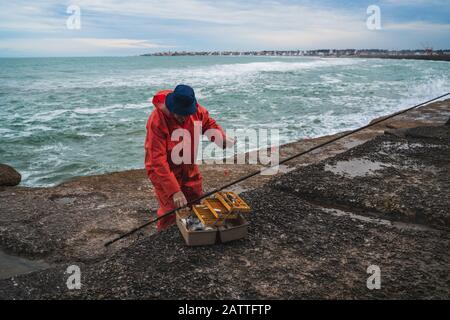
(182, 101)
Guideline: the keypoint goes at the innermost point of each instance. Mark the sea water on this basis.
(67, 117)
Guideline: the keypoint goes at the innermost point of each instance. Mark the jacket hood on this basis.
(159, 101)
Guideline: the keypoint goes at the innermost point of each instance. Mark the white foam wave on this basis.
(112, 108)
(91, 135)
(330, 79)
(203, 75)
(46, 116)
(240, 71)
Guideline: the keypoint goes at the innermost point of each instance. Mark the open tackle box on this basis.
(221, 219)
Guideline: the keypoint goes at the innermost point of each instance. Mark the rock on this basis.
(9, 176)
(448, 122)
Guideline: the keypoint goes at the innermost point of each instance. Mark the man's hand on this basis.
(230, 142)
(179, 199)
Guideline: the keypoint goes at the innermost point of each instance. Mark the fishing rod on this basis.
(270, 167)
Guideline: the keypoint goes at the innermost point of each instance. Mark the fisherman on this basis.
(177, 184)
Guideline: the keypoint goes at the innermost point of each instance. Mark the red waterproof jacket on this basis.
(167, 177)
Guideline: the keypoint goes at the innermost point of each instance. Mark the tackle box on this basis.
(219, 210)
(233, 202)
(221, 214)
(207, 216)
(233, 230)
(196, 238)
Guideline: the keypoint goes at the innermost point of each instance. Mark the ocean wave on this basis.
(89, 134)
(239, 72)
(46, 116)
(195, 75)
(429, 88)
(272, 66)
(112, 108)
(330, 79)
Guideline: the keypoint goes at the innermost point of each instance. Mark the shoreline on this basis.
(444, 57)
(69, 223)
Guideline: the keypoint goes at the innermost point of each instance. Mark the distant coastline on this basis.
(436, 57)
(426, 54)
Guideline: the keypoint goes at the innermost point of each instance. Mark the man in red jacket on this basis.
(177, 184)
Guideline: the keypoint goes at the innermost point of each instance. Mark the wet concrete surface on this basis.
(294, 250)
(313, 231)
(404, 179)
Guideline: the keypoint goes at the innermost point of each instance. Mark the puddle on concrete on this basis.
(397, 224)
(65, 200)
(356, 167)
(238, 189)
(11, 266)
(285, 169)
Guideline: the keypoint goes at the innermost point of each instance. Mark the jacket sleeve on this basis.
(156, 164)
(210, 123)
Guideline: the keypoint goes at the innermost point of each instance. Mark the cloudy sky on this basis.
(116, 27)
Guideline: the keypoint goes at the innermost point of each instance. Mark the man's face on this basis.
(179, 118)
